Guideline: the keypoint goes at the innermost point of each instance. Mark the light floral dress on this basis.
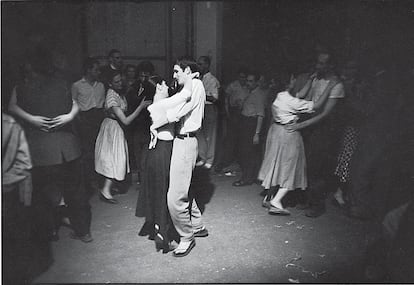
(111, 149)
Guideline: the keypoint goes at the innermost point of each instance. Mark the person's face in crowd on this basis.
(322, 65)
(181, 75)
(94, 72)
(116, 60)
(251, 82)
(243, 79)
(262, 82)
(116, 82)
(204, 68)
(130, 73)
(144, 76)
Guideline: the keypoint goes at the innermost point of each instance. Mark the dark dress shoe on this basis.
(85, 238)
(107, 200)
(203, 232)
(186, 252)
(239, 183)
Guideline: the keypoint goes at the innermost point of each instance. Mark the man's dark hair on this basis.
(206, 59)
(145, 66)
(255, 74)
(89, 63)
(112, 51)
(186, 61)
(332, 58)
(130, 66)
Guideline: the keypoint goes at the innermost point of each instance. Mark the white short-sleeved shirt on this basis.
(88, 96)
(211, 86)
(319, 85)
(285, 108)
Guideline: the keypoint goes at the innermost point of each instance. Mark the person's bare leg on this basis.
(106, 190)
(277, 200)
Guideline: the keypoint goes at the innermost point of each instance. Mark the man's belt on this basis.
(186, 135)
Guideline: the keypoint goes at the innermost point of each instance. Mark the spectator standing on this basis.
(89, 94)
(207, 135)
(252, 114)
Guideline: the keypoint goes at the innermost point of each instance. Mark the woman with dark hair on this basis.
(111, 150)
(152, 200)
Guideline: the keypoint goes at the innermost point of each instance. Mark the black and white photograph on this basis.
(207, 142)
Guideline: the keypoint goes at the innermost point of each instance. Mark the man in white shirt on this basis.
(208, 133)
(89, 93)
(186, 109)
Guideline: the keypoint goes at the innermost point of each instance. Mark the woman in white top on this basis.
(152, 200)
(284, 163)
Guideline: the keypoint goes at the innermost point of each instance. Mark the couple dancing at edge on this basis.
(284, 166)
(170, 163)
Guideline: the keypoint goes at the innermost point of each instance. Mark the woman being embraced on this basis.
(284, 165)
(152, 200)
(111, 150)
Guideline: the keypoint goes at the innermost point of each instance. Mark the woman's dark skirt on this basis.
(152, 199)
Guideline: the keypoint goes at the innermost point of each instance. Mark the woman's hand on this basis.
(60, 121)
(161, 91)
(294, 127)
(40, 122)
(144, 104)
(153, 141)
(141, 89)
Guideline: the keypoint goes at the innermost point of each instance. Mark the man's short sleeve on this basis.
(74, 91)
(337, 91)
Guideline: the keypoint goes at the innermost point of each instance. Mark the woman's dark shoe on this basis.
(107, 200)
(162, 244)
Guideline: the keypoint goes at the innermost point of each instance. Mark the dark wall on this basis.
(276, 35)
(55, 25)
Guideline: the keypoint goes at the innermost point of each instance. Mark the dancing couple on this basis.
(170, 164)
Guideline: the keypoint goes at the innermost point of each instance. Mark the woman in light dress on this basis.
(284, 163)
(111, 150)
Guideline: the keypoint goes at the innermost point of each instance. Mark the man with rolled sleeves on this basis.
(186, 109)
(89, 94)
(45, 106)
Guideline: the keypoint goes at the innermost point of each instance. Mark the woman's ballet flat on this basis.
(278, 211)
(107, 200)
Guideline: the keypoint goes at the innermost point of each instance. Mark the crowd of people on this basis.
(300, 135)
